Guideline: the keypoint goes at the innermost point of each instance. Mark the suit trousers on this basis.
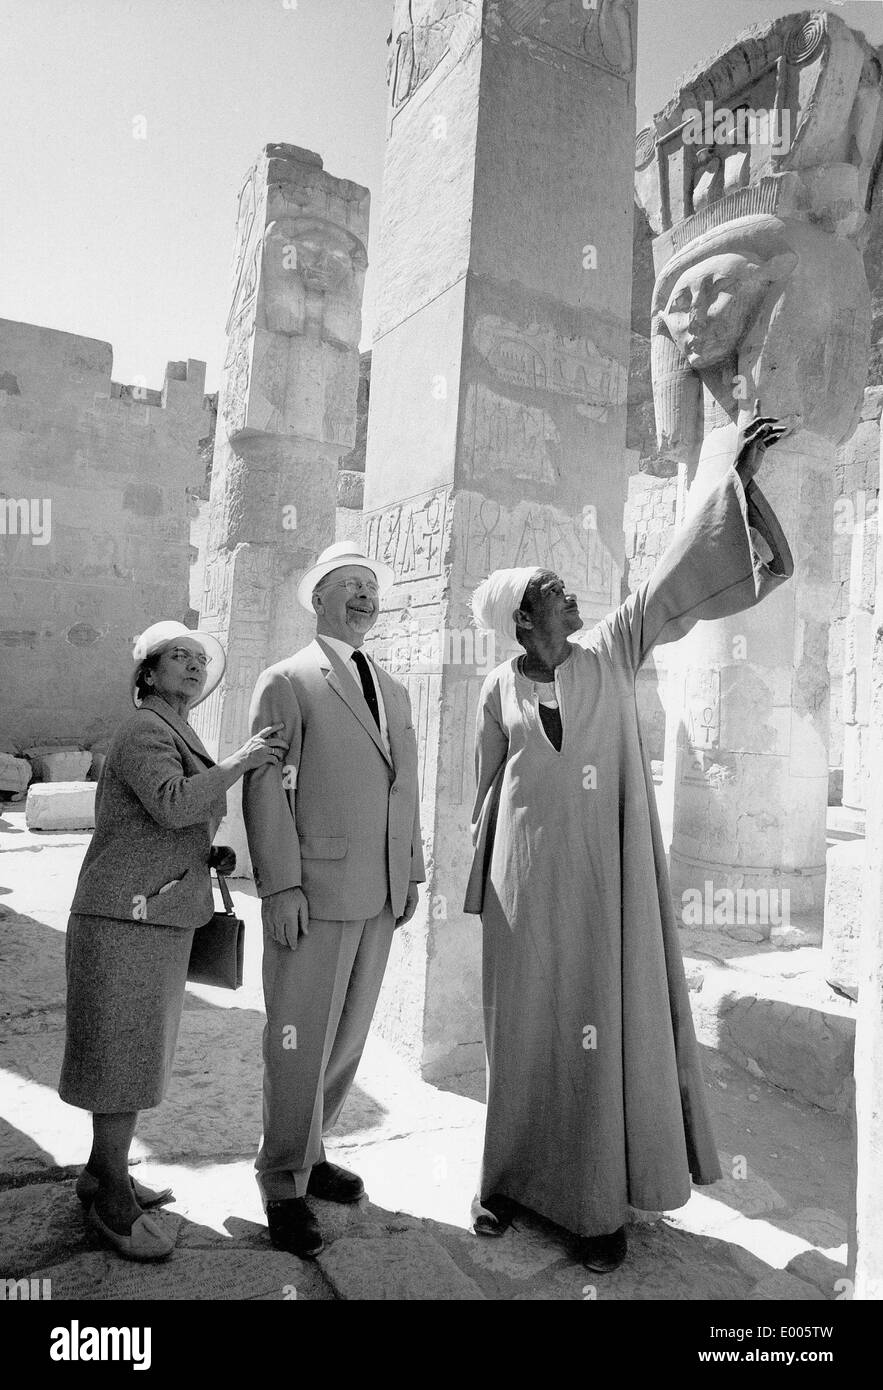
(320, 999)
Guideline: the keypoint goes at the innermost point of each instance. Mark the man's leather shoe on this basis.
(493, 1216)
(333, 1184)
(603, 1254)
(294, 1228)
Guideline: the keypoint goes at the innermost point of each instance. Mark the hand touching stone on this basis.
(760, 434)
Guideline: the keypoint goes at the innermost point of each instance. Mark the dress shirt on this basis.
(345, 651)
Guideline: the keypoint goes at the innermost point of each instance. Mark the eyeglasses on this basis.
(354, 586)
(182, 654)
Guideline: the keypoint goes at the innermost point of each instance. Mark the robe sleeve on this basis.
(728, 554)
(491, 749)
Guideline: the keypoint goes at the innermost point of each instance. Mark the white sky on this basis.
(129, 240)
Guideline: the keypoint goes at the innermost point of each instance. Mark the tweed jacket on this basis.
(340, 818)
(159, 802)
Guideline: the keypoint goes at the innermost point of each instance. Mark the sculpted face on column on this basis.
(714, 302)
(310, 276)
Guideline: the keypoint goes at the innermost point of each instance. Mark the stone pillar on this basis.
(868, 1253)
(761, 295)
(855, 516)
(496, 427)
(351, 474)
(286, 414)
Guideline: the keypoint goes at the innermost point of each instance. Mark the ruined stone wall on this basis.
(94, 541)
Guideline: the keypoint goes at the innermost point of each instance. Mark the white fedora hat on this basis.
(333, 558)
(160, 635)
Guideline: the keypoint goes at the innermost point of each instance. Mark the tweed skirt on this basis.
(125, 993)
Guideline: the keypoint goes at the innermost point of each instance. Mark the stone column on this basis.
(496, 426)
(856, 517)
(286, 415)
(868, 1254)
(761, 296)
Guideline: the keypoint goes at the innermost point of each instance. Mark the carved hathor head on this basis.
(303, 257)
(764, 309)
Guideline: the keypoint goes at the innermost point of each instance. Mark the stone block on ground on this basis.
(99, 754)
(824, 1228)
(59, 764)
(15, 774)
(61, 806)
(779, 1286)
(778, 1020)
(817, 1269)
(406, 1266)
(751, 1195)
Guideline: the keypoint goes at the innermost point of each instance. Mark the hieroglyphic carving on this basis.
(222, 719)
(490, 536)
(425, 694)
(423, 41)
(508, 437)
(602, 33)
(244, 263)
(541, 359)
(240, 320)
(206, 721)
(459, 740)
(702, 713)
(410, 536)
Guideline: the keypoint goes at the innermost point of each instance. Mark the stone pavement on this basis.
(775, 1227)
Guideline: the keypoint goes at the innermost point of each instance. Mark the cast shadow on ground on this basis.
(211, 1116)
(371, 1253)
(212, 1109)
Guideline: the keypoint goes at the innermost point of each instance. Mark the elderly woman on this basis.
(144, 887)
(595, 1092)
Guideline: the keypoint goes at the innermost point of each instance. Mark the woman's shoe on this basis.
(146, 1240)
(491, 1216)
(147, 1199)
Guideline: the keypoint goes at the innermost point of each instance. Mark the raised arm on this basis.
(147, 759)
(729, 553)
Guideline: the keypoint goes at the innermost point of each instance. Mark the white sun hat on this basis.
(333, 558)
(160, 635)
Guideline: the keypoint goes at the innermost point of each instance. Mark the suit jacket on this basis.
(340, 819)
(159, 801)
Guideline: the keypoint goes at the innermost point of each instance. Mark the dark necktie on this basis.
(367, 684)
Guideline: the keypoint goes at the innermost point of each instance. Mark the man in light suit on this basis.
(334, 836)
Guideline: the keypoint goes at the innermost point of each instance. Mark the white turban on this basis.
(494, 601)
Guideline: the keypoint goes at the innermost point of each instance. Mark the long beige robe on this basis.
(595, 1091)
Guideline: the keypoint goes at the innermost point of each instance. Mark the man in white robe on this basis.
(595, 1090)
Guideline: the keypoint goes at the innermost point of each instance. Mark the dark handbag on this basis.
(217, 950)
